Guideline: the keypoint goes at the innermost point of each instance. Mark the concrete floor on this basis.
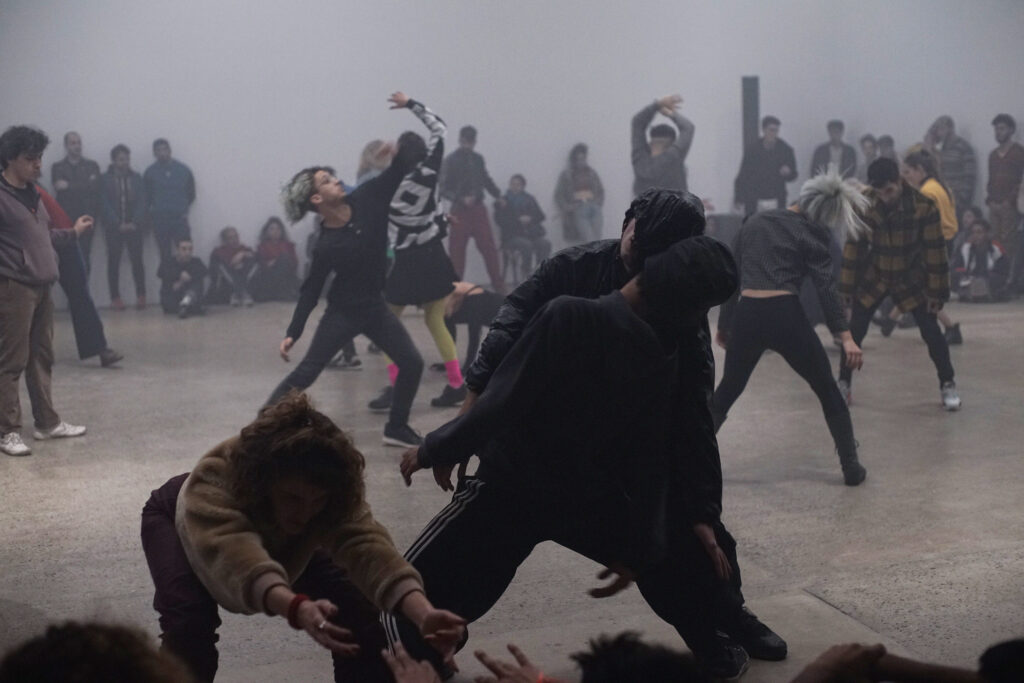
(926, 557)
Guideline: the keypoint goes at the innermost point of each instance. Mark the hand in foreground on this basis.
(623, 580)
(398, 100)
(854, 355)
(444, 631)
(523, 671)
(706, 535)
(407, 670)
(722, 339)
(83, 224)
(313, 617)
(849, 663)
(410, 464)
(286, 346)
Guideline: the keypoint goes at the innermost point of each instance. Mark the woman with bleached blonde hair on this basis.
(774, 251)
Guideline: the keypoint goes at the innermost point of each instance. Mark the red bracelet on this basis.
(293, 609)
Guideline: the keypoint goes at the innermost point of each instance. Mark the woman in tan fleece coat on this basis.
(267, 517)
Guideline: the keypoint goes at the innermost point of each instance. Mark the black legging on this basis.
(341, 325)
(780, 324)
(927, 323)
(476, 313)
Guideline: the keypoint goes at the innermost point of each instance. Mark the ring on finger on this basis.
(321, 626)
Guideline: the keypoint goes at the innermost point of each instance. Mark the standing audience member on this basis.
(182, 276)
(76, 181)
(274, 521)
(869, 152)
(277, 265)
(124, 207)
(464, 178)
(28, 269)
(170, 191)
(835, 153)
(957, 161)
(1005, 170)
(980, 269)
(767, 166)
(579, 197)
(232, 264)
(522, 225)
(90, 338)
(887, 147)
(903, 256)
(922, 172)
(660, 162)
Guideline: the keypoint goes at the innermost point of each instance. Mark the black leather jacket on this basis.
(594, 269)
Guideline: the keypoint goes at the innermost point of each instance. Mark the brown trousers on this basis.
(1004, 219)
(26, 346)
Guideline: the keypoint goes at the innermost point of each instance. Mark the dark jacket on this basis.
(594, 269)
(507, 217)
(355, 253)
(759, 176)
(822, 156)
(170, 189)
(122, 203)
(82, 197)
(27, 242)
(464, 174)
(668, 169)
(171, 269)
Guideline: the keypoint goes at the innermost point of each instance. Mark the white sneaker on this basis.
(63, 430)
(950, 396)
(11, 444)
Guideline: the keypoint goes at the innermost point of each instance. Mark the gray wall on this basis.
(248, 92)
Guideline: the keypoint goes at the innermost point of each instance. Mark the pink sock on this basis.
(454, 373)
(392, 373)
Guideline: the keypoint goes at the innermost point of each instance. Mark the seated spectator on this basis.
(277, 265)
(522, 224)
(232, 264)
(91, 652)
(969, 217)
(579, 196)
(980, 268)
(181, 277)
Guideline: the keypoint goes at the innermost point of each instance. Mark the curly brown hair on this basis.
(91, 652)
(292, 439)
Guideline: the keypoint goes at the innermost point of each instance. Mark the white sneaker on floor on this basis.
(63, 430)
(11, 444)
(950, 396)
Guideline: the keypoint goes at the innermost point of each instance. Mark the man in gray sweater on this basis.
(660, 161)
(28, 269)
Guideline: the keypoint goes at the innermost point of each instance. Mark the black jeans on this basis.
(780, 324)
(339, 326)
(927, 323)
(116, 242)
(85, 319)
(189, 615)
(469, 553)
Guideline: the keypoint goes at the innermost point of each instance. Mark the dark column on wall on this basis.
(751, 110)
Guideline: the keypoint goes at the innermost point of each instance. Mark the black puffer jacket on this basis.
(594, 269)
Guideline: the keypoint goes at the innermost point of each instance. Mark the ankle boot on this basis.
(846, 446)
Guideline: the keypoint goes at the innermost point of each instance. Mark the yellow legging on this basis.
(433, 315)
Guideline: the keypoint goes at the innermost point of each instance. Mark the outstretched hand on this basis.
(285, 347)
(410, 464)
(706, 535)
(523, 671)
(405, 669)
(623, 579)
(398, 100)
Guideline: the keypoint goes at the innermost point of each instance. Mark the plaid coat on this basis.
(904, 256)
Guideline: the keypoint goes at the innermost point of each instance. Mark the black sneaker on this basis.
(887, 325)
(438, 367)
(953, 336)
(382, 403)
(403, 436)
(758, 640)
(726, 661)
(373, 348)
(450, 397)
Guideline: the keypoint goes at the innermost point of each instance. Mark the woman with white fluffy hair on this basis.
(775, 250)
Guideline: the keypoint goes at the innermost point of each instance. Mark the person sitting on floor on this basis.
(232, 265)
(980, 268)
(181, 277)
(277, 265)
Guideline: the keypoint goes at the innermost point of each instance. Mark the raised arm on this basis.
(638, 129)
